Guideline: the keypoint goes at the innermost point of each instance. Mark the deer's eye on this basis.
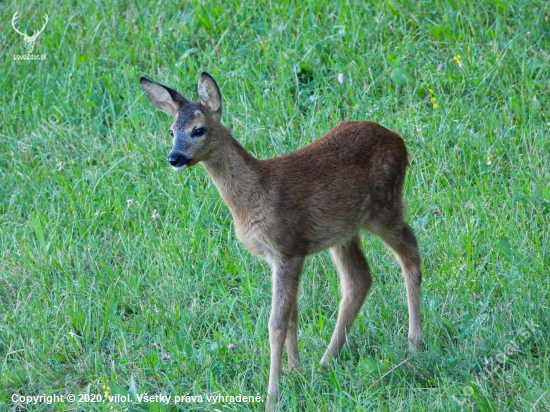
(198, 132)
(171, 133)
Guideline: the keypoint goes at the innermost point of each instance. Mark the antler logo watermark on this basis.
(29, 40)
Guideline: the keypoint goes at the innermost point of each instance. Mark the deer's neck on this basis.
(236, 174)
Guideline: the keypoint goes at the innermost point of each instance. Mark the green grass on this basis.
(93, 290)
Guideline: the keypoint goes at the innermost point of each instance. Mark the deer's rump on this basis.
(325, 192)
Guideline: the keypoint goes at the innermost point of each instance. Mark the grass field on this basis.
(118, 275)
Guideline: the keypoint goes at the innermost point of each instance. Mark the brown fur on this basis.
(315, 198)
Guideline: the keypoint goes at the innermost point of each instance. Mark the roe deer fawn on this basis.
(291, 206)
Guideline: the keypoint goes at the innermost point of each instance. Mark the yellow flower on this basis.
(457, 60)
(107, 391)
(432, 99)
(489, 157)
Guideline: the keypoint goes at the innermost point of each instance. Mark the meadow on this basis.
(120, 276)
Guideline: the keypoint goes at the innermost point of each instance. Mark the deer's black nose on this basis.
(177, 160)
(173, 160)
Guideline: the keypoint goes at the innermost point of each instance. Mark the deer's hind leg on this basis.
(355, 282)
(399, 237)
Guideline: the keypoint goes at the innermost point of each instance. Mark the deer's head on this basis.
(196, 129)
(29, 40)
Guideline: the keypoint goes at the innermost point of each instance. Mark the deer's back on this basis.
(324, 193)
(352, 146)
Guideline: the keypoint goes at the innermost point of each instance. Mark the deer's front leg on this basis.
(286, 276)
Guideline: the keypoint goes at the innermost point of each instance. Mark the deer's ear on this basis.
(210, 95)
(164, 98)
